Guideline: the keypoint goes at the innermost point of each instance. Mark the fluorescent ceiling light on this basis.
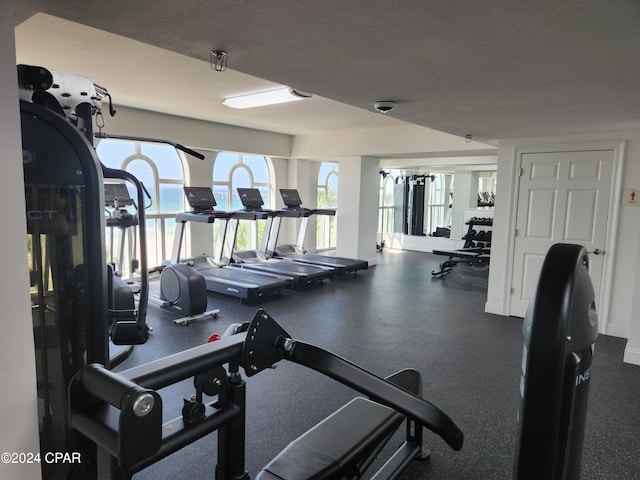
(260, 99)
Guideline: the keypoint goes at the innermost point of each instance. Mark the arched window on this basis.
(386, 201)
(160, 168)
(327, 198)
(235, 170)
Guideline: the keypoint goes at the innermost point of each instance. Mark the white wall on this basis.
(18, 404)
(396, 141)
(632, 352)
(622, 317)
(197, 133)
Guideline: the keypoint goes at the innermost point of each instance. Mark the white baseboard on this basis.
(495, 308)
(617, 330)
(632, 355)
(421, 243)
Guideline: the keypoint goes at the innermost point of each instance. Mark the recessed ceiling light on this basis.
(269, 97)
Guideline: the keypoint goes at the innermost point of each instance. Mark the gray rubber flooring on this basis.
(393, 316)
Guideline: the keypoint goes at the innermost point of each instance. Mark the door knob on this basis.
(597, 251)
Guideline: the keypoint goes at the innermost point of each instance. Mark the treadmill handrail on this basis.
(324, 211)
(252, 214)
(201, 217)
(294, 212)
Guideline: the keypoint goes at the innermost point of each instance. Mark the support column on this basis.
(201, 237)
(357, 218)
(303, 176)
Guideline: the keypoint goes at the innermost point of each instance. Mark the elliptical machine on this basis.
(123, 312)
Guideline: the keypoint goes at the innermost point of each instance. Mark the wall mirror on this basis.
(434, 197)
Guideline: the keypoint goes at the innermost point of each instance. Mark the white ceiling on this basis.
(156, 79)
(491, 68)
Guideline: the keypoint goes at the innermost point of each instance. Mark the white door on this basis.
(563, 198)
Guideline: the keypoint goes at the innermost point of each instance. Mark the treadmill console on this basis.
(251, 198)
(292, 201)
(200, 199)
(116, 195)
(291, 197)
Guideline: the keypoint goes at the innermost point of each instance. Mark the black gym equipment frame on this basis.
(560, 330)
(70, 281)
(177, 146)
(65, 226)
(122, 412)
(128, 327)
(475, 257)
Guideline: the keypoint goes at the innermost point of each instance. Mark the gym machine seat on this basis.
(345, 443)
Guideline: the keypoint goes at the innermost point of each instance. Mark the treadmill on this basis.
(303, 275)
(297, 253)
(219, 276)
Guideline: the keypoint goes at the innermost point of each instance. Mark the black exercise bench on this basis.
(474, 256)
(344, 444)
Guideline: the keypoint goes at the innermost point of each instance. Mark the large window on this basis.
(232, 171)
(159, 167)
(327, 198)
(386, 202)
(438, 199)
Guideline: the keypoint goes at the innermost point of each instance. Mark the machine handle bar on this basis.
(377, 389)
(177, 146)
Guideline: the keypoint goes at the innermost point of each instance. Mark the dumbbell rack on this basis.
(476, 237)
(477, 247)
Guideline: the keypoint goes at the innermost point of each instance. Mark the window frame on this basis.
(326, 231)
(161, 223)
(249, 232)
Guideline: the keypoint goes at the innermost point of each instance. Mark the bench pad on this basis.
(335, 445)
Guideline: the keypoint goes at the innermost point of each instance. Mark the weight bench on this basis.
(476, 257)
(345, 443)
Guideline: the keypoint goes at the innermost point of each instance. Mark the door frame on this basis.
(613, 213)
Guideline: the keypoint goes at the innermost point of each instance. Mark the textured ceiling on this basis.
(495, 69)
